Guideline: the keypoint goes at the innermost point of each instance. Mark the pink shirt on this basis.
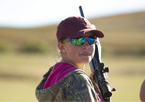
(59, 71)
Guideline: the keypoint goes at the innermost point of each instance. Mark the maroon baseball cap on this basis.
(75, 26)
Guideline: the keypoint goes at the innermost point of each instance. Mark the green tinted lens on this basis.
(92, 40)
(78, 41)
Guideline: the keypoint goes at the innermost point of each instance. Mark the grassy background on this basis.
(26, 54)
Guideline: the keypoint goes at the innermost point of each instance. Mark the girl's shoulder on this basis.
(78, 84)
(77, 77)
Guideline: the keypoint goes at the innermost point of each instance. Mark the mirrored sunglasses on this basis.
(81, 40)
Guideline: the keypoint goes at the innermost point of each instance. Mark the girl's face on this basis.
(77, 54)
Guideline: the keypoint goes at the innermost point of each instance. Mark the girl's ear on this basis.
(61, 47)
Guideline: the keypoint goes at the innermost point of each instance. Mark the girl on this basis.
(66, 80)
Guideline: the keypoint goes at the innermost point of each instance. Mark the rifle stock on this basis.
(98, 67)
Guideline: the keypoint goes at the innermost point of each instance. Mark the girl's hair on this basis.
(57, 59)
(45, 76)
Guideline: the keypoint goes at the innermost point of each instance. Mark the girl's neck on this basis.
(79, 66)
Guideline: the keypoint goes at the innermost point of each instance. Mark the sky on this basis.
(35, 13)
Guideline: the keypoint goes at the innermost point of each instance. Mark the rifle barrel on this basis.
(81, 11)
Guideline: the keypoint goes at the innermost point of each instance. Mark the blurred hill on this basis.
(124, 35)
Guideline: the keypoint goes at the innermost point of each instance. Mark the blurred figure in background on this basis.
(142, 92)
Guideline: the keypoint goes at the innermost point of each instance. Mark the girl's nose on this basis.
(86, 45)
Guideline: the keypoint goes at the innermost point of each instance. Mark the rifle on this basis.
(97, 66)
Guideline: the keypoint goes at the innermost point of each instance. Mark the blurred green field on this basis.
(26, 54)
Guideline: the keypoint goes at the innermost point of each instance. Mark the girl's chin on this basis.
(85, 61)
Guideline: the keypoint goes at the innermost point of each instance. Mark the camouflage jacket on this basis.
(75, 86)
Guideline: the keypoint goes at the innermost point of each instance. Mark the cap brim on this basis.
(98, 33)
